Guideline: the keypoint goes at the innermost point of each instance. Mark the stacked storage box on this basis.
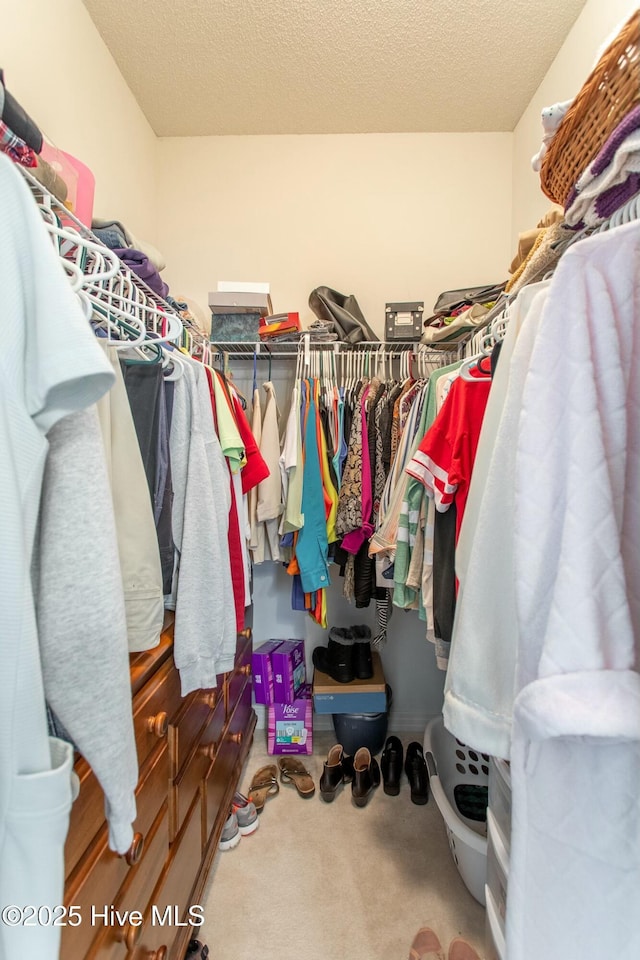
(498, 848)
(279, 682)
(359, 708)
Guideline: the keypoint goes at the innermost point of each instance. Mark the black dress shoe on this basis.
(415, 768)
(362, 658)
(366, 777)
(335, 772)
(391, 766)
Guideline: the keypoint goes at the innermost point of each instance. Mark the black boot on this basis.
(391, 766)
(335, 773)
(366, 777)
(336, 659)
(362, 659)
(415, 768)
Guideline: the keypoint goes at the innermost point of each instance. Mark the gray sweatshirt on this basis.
(205, 626)
(81, 616)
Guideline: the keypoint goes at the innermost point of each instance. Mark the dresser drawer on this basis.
(188, 726)
(226, 766)
(101, 873)
(114, 942)
(240, 676)
(173, 890)
(104, 947)
(187, 783)
(154, 708)
(241, 719)
(87, 816)
(137, 890)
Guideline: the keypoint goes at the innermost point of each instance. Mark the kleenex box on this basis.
(262, 671)
(290, 727)
(289, 673)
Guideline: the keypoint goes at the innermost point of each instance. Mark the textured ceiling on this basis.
(200, 67)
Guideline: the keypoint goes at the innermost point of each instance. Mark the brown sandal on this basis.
(264, 785)
(293, 771)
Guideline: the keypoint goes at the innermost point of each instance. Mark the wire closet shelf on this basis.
(124, 293)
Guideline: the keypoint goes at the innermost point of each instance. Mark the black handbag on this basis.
(344, 312)
(450, 300)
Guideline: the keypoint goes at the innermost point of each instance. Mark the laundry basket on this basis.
(453, 765)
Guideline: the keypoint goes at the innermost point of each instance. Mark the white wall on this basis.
(60, 71)
(596, 25)
(383, 216)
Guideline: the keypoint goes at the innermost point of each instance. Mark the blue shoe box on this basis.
(359, 696)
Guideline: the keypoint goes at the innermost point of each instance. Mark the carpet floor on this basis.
(335, 882)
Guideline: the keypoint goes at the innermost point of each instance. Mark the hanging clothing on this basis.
(225, 426)
(141, 570)
(350, 499)
(444, 459)
(269, 506)
(50, 367)
(257, 532)
(312, 547)
(577, 684)
(204, 629)
(255, 469)
(479, 697)
(292, 466)
(83, 645)
(361, 490)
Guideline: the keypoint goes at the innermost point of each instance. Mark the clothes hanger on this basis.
(135, 332)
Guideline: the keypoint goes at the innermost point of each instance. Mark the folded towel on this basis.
(142, 266)
(611, 179)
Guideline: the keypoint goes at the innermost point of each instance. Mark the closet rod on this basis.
(292, 348)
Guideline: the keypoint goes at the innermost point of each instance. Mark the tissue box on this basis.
(290, 726)
(262, 671)
(289, 674)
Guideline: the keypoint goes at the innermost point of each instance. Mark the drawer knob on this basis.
(131, 935)
(245, 633)
(210, 698)
(159, 954)
(245, 669)
(134, 852)
(209, 750)
(236, 737)
(159, 724)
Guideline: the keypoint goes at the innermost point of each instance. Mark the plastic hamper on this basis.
(450, 764)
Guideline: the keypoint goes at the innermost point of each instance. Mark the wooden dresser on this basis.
(190, 755)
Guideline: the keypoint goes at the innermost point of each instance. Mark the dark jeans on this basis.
(146, 391)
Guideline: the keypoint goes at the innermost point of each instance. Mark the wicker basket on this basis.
(609, 93)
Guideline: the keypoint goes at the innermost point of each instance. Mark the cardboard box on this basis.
(359, 696)
(262, 671)
(230, 302)
(244, 286)
(289, 672)
(290, 725)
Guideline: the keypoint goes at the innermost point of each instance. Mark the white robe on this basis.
(575, 862)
